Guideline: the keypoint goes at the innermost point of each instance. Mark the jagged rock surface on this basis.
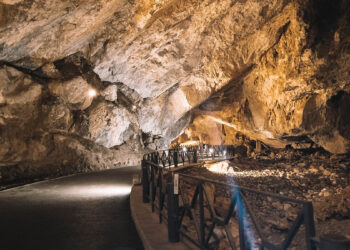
(275, 70)
(45, 129)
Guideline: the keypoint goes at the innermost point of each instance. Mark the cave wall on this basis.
(275, 71)
(299, 88)
(52, 127)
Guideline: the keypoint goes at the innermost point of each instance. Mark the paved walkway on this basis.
(154, 235)
(82, 212)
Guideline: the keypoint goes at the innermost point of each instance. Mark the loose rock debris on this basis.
(320, 178)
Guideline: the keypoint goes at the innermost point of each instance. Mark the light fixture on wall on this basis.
(92, 93)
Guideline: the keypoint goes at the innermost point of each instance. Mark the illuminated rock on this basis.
(274, 71)
(110, 93)
(110, 126)
(75, 93)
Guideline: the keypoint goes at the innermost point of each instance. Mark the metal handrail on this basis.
(193, 154)
(238, 201)
(277, 196)
(158, 183)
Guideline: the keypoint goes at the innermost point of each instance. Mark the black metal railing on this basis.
(165, 189)
(176, 157)
(240, 209)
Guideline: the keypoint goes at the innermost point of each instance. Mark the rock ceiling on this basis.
(276, 71)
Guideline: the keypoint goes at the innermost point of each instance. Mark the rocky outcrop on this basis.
(298, 88)
(276, 71)
(52, 127)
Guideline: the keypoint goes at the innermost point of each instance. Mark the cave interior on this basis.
(93, 85)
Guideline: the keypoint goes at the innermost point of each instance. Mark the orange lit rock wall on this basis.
(275, 71)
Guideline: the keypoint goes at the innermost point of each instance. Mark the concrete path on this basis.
(154, 235)
(81, 212)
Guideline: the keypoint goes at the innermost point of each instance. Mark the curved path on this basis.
(81, 212)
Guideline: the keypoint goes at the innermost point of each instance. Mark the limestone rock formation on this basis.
(74, 93)
(276, 71)
(111, 126)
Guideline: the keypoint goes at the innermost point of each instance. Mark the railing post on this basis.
(195, 157)
(309, 225)
(175, 158)
(201, 215)
(173, 206)
(157, 157)
(160, 193)
(145, 182)
(153, 188)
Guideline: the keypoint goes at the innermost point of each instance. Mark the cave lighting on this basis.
(223, 167)
(96, 191)
(223, 122)
(268, 134)
(189, 143)
(92, 93)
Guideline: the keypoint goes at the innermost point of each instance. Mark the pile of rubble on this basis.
(318, 177)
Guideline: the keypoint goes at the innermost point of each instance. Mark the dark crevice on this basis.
(37, 77)
(69, 67)
(323, 18)
(301, 138)
(334, 101)
(327, 14)
(76, 65)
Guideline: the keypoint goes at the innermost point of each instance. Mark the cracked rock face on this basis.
(275, 71)
(110, 126)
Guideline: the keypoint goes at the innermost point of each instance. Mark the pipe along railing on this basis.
(165, 189)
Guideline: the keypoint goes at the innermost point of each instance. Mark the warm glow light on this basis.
(219, 167)
(223, 122)
(92, 93)
(267, 134)
(97, 191)
(189, 143)
(223, 167)
(264, 132)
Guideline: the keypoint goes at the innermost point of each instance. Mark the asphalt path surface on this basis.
(81, 212)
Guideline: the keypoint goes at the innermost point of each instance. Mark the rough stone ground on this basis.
(305, 175)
